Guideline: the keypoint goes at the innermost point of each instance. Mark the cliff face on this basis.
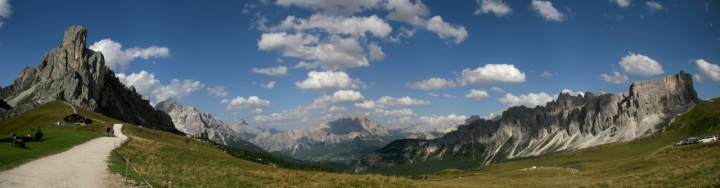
(569, 123)
(78, 75)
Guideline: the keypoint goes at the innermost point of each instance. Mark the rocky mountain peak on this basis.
(355, 123)
(74, 41)
(168, 105)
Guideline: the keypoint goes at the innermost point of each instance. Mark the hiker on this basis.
(112, 131)
(108, 131)
(13, 139)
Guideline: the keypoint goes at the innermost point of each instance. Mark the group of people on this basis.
(110, 131)
(19, 141)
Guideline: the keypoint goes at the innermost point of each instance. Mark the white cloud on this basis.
(618, 78)
(366, 104)
(240, 103)
(546, 74)
(638, 64)
(431, 84)
(347, 96)
(529, 100)
(218, 91)
(494, 6)
(390, 101)
(445, 30)
(283, 118)
(492, 73)
(397, 113)
(404, 10)
(329, 80)
(247, 7)
(435, 121)
(331, 7)
(257, 111)
(115, 56)
(707, 71)
(272, 71)
(224, 101)
(331, 54)
(622, 3)
(5, 10)
(477, 94)
(269, 85)
(354, 25)
(303, 64)
(335, 109)
(376, 52)
(497, 89)
(653, 6)
(448, 96)
(146, 84)
(545, 9)
(433, 94)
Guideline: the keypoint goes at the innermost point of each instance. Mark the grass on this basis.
(56, 139)
(161, 157)
(648, 162)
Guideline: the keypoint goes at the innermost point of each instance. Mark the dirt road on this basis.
(84, 165)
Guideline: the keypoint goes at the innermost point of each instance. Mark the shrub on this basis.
(38, 134)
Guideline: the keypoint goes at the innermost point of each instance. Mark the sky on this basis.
(289, 64)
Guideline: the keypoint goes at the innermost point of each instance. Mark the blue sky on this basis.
(295, 63)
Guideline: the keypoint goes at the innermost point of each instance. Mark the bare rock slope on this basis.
(568, 123)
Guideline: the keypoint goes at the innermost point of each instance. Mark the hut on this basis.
(77, 119)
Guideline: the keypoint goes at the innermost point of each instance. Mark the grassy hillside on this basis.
(56, 139)
(162, 157)
(650, 161)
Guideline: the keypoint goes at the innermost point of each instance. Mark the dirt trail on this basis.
(84, 165)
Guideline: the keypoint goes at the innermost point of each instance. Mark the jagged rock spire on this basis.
(74, 41)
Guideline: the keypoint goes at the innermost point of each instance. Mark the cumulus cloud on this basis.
(354, 25)
(639, 64)
(224, 101)
(653, 6)
(492, 73)
(495, 6)
(707, 71)
(546, 10)
(431, 84)
(529, 100)
(347, 96)
(622, 3)
(5, 11)
(146, 84)
(617, 78)
(269, 85)
(497, 89)
(257, 111)
(272, 71)
(332, 54)
(329, 80)
(240, 103)
(445, 30)
(376, 52)
(477, 94)
(404, 10)
(331, 7)
(116, 57)
(387, 101)
(433, 94)
(217, 91)
(397, 113)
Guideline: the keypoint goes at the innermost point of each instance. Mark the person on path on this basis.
(108, 131)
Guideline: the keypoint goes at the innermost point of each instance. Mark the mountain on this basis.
(78, 75)
(339, 141)
(194, 123)
(566, 124)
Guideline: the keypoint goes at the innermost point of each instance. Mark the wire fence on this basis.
(127, 167)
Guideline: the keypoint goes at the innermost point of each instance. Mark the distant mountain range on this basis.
(78, 75)
(565, 124)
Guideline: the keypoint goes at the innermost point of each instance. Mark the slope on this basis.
(647, 162)
(163, 157)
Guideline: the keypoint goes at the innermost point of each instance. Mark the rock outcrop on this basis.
(193, 122)
(568, 123)
(78, 75)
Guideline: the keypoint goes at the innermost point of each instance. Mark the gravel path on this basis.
(84, 165)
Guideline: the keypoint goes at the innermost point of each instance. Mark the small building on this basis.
(77, 119)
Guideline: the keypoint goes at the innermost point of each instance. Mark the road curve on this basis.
(84, 165)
